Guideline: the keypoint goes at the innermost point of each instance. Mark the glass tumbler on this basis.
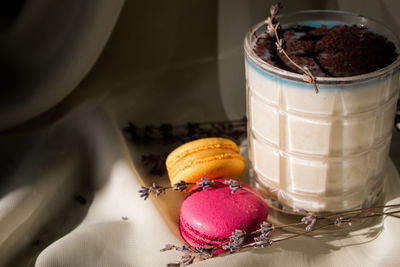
(322, 152)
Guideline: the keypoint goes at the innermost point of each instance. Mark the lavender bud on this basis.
(274, 10)
(168, 247)
(157, 189)
(205, 183)
(232, 247)
(206, 252)
(233, 185)
(264, 240)
(309, 220)
(184, 248)
(144, 192)
(187, 259)
(180, 186)
(237, 238)
(311, 225)
(339, 221)
(266, 227)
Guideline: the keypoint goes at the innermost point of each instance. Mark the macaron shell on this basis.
(208, 157)
(208, 217)
(223, 165)
(199, 145)
(189, 159)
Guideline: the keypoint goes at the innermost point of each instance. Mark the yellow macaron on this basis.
(208, 157)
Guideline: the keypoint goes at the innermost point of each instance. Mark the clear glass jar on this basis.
(319, 152)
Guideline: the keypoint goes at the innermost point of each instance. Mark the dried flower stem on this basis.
(205, 183)
(335, 214)
(262, 236)
(273, 27)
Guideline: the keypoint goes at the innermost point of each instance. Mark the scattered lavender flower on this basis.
(266, 227)
(236, 240)
(205, 183)
(341, 221)
(238, 237)
(275, 8)
(154, 188)
(264, 240)
(180, 186)
(173, 264)
(310, 221)
(187, 259)
(144, 192)
(233, 185)
(232, 247)
(168, 247)
(185, 248)
(206, 252)
(170, 134)
(158, 189)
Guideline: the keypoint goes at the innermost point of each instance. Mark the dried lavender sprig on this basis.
(310, 221)
(190, 254)
(302, 212)
(234, 185)
(155, 189)
(170, 134)
(264, 237)
(273, 26)
(205, 183)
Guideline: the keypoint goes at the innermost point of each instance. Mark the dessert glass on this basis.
(320, 152)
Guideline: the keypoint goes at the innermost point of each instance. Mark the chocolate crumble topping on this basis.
(338, 51)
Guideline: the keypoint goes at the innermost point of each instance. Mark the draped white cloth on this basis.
(73, 201)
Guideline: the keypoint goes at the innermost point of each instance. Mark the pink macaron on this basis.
(209, 216)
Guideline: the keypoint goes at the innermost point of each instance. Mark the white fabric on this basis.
(49, 48)
(117, 228)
